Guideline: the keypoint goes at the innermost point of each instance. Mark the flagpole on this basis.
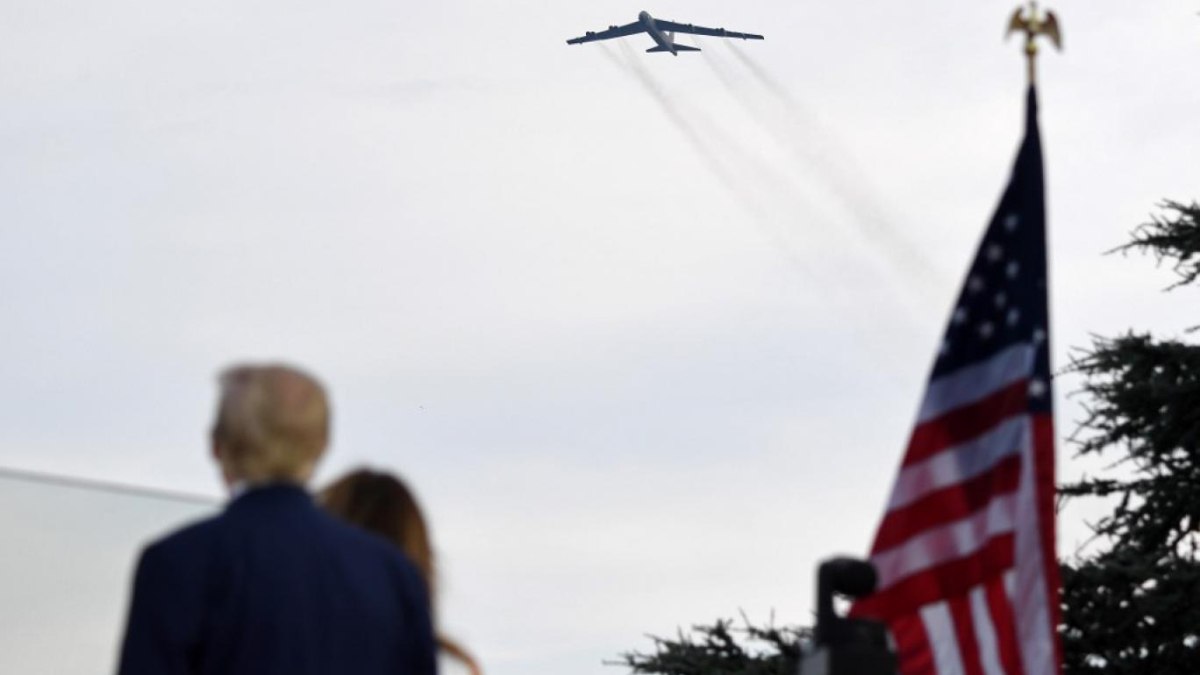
(1034, 23)
(967, 579)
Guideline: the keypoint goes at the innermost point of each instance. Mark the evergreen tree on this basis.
(723, 649)
(1134, 605)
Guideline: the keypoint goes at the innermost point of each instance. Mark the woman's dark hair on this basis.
(381, 503)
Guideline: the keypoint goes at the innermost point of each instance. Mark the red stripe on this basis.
(948, 504)
(912, 646)
(962, 424)
(1043, 452)
(940, 581)
(964, 632)
(1000, 609)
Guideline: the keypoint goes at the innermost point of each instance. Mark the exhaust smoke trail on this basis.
(763, 76)
(712, 159)
(730, 164)
(674, 115)
(816, 145)
(728, 79)
(730, 150)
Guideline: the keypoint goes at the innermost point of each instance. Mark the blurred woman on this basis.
(381, 503)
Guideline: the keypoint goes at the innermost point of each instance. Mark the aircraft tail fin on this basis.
(678, 48)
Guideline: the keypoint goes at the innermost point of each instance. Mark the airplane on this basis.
(663, 33)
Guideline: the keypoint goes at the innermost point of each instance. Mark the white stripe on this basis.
(1030, 600)
(943, 641)
(985, 632)
(970, 384)
(944, 543)
(959, 463)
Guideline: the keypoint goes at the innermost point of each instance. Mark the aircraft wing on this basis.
(612, 32)
(673, 27)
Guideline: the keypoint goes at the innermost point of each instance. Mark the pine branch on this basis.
(722, 649)
(1174, 237)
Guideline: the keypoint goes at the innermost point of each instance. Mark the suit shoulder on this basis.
(357, 538)
(370, 544)
(198, 534)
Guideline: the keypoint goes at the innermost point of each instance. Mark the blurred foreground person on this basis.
(274, 585)
(381, 503)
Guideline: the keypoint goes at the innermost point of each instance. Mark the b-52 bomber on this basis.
(662, 32)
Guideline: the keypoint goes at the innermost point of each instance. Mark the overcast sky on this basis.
(646, 333)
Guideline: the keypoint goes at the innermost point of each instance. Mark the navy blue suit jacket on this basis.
(275, 586)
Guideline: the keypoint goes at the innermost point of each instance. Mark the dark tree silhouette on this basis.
(722, 647)
(1133, 606)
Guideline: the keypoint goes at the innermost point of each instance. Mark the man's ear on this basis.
(218, 455)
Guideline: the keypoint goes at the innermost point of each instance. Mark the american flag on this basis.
(968, 579)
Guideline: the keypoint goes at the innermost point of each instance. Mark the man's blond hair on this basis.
(272, 423)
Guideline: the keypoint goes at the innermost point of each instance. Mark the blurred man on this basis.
(273, 585)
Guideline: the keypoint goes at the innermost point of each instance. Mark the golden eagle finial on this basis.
(1033, 24)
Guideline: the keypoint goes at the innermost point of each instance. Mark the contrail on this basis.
(763, 176)
(820, 149)
(731, 151)
(763, 76)
(723, 73)
(729, 81)
(673, 114)
(712, 159)
(775, 225)
(771, 125)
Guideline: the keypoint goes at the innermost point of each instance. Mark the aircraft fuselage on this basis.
(662, 32)
(657, 35)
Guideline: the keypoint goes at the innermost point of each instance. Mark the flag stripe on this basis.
(958, 463)
(964, 635)
(985, 631)
(1036, 604)
(939, 626)
(940, 581)
(972, 383)
(945, 543)
(912, 646)
(949, 504)
(1045, 489)
(1000, 605)
(967, 422)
